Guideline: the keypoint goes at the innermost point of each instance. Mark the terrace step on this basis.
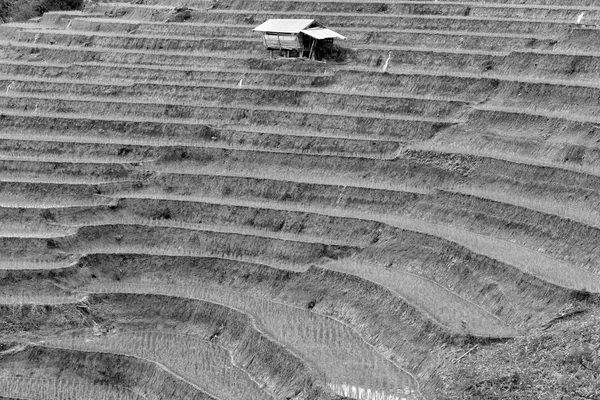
(576, 36)
(560, 3)
(461, 239)
(257, 157)
(418, 96)
(428, 208)
(209, 94)
(481, 322)
(555, 95)
(151, 131)
(561, 139)
(61, 19)
(388, 126)
(498, 25)
(364, 11)
(440, 177)
(148, 42)
(451, 4)
(475, 323)
(528, 65)
(287, 253)
(479, 215)
(176, 382)
(38, 265)
(97, 236)
(299, 335)
(266, 222)
(37, 143)
(355, 36)
(273, 73)
(212, 160)
(494, 329)
(526, 260)
(510, 118)
(205, 365)
(21, 388)
(64, 230)
(215, 160)
(439, 39)
(562, 206)
(78, 54)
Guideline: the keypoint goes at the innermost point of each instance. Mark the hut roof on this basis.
(284, 25)
(322, 33)
(309, 27)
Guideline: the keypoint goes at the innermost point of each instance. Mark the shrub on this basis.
(21, 10)
(581, 295)
(4, 11)
(47, 215)
(162, 213)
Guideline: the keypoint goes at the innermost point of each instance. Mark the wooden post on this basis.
(279, 41)
(312, 49)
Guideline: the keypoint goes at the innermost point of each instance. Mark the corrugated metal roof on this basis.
(322, 33)
(284, 25)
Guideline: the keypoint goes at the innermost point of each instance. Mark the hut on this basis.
(298, 38)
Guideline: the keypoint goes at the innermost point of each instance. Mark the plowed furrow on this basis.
(309, 334)
(202, 363)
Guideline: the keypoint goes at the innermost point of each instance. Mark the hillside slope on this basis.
(185, 217)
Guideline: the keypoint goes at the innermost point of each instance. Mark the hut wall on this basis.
(276, 41)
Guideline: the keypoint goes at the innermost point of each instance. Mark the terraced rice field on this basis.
(184, 217)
